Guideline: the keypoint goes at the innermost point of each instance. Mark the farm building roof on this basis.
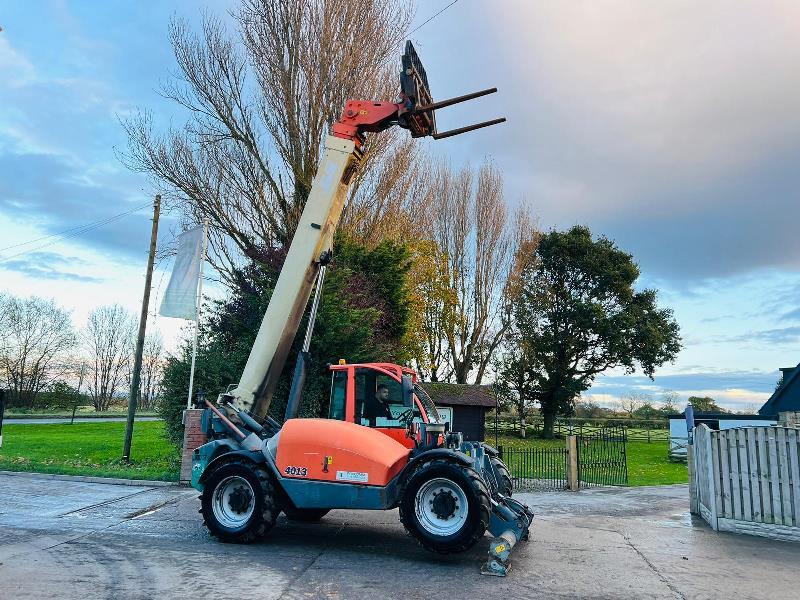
(460, 394)
(786, 397)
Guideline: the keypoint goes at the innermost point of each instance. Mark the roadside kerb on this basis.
(87, 479)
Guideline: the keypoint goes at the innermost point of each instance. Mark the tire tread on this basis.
(407, 517)
(269, 513)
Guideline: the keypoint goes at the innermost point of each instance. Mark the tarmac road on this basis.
(69, 539)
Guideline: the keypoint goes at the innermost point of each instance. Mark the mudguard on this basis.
(197, 483)
(431, 455)
(490, 450)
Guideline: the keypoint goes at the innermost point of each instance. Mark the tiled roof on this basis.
(460, 394)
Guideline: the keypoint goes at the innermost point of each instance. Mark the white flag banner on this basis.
(180, 299)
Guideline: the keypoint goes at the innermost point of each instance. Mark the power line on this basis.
(67, 233)
(60, 233)
(432, 18)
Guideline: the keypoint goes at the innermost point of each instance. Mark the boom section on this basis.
(311, 243)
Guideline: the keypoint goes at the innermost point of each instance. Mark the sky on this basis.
(671, 128)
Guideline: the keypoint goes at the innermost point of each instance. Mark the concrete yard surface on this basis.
(65, 539)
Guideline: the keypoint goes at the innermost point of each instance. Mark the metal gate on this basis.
(537, 469)
(602, 459)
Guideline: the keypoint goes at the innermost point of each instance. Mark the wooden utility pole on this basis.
(137, 361)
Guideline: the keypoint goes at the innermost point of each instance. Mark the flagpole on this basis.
(197, 306)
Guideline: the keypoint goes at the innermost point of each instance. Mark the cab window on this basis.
(379, 399)
(338, 395)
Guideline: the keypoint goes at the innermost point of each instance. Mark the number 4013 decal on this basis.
(301, 471)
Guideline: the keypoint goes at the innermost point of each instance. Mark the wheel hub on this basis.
(444, 504)
(441, 507)
(239, 500)
(233, 502)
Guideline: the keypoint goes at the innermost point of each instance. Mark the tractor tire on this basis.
(305, 515)
(239, 503)
(445, 506)
(504, 484)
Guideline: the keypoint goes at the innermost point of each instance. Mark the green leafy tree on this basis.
(579, 315)
(589, 409)
(363, 317)
(705, 404)
(647, 411)
(62, 396)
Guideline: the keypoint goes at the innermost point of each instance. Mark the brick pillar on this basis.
(193, 436)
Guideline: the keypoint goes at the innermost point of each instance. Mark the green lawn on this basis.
(647, 463)
(89, 449)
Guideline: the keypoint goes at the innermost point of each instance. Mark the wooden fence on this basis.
(644, 430)
(747, 480)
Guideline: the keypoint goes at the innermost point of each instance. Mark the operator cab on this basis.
(371, 394)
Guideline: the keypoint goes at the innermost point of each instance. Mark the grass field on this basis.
(647, 463)
(89, 449)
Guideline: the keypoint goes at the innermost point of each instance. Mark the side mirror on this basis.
(408, 391)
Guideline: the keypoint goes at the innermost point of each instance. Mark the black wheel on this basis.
(445, 506)
(238, 502)
(305, 515)
(504, 484)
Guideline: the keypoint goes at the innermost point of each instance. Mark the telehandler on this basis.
(384, 444)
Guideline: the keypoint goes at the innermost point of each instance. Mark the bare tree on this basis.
(391, 200)
(516, 384)
(669, 401)
(35, 334)
(483, 248)
(78, 371)
(152, 370)
(108, 336)
(633, 401)
(259, 108)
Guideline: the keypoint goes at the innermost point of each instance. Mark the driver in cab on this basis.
(379, 407)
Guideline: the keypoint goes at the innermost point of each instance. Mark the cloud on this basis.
(731, 389)
(16, 68)
(48, 265)
(779, 335)
(55, 193)
(669, 126)
(757, 381)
